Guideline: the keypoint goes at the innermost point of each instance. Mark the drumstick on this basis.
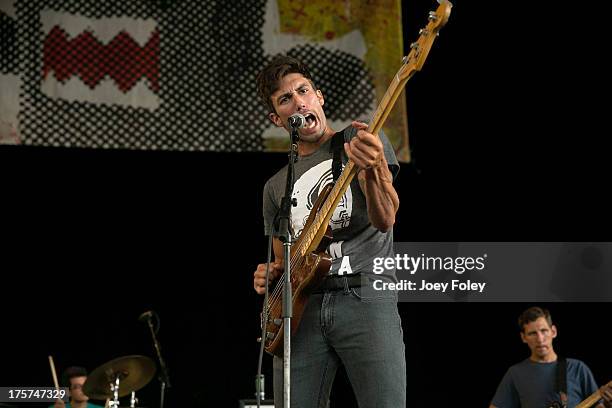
(53, 373)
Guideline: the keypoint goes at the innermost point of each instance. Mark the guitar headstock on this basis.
(420, 48)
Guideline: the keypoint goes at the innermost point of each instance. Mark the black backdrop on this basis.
(507, 145)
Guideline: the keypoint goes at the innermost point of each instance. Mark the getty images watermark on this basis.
(404, 263)
(494, 272)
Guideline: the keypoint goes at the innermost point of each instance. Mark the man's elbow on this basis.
(384, 225)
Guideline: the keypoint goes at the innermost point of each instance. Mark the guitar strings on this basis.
(276, 294)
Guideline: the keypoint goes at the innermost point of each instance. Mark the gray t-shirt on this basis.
(529, 384)
(355, 241)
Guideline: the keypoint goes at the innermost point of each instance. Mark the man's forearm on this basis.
(381, 198)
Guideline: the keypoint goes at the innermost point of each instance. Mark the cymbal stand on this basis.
(115, 390)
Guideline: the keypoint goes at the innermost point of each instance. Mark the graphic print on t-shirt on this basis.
(307, 189)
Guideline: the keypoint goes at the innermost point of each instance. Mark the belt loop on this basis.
(347, 289)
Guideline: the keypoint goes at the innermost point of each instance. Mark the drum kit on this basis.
(124, 375)
(118, 378)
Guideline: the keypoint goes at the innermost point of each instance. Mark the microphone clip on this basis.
(295, 137)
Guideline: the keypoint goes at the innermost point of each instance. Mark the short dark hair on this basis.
(271, 74)
(72, 372)
(531, 315)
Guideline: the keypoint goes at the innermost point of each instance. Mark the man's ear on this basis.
(553, 331)
(274, 118)
(523, 337)
(320, 97)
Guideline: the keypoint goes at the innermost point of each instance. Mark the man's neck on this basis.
(306, 148)
(548, 358)
(80, 404)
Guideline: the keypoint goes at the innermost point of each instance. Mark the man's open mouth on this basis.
(311, 120)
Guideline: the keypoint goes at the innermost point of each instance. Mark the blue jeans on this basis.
(358, 328)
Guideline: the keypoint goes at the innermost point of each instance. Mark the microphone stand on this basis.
(284, 235)
(163, 377)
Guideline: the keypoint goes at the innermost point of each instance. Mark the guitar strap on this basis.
(337, 145)
(562, 380)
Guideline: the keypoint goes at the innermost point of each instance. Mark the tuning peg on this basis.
(423, 31)
(433, 16)
(405, 59)
(414, 45)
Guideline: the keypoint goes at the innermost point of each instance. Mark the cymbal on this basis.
(134, 372)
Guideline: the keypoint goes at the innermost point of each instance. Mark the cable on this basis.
(259, 379)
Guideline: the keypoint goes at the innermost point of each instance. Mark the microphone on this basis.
(145, 316)
(297, 121)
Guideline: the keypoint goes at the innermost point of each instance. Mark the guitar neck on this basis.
(412, 62)
(387, 102)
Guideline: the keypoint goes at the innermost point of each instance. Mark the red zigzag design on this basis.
(122, 59)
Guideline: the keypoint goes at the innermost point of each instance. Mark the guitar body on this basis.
(306, 276)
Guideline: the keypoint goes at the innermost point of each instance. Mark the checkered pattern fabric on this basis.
(137, 75)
